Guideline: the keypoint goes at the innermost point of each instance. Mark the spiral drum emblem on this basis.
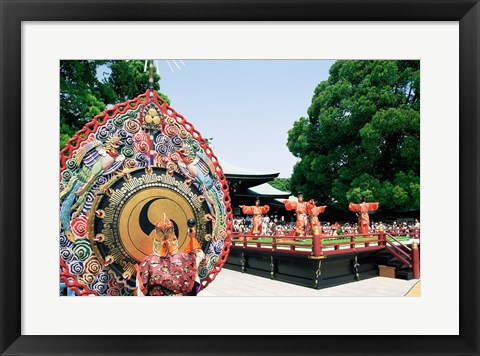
(134, 206)
(139, 215)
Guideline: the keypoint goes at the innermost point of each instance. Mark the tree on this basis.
(84, 92)
(282, 184)
(79, 96)
(128, 79)
(361, 136)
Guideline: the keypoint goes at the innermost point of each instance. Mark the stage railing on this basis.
(412, 233)
(404, 255)
(321, 246)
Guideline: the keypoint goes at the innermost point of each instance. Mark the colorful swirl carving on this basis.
(66, 254)
(64, 241)
(132, 126)
(128, 152)
(79, 226)
(140, 137)
(142, 159)
(171, 130)
(102, 180)
(90, 198)
(183, 133)
(130, 163)
(119, 121)
(142, 147)
(71, 164)
(176, 142)
(66, 176)
(87, 278)
(104, 277)
(113, 292)
(99, 287)
(77, 267)
(93, 266)
(103, 133)
(129, 142)
(82, 249)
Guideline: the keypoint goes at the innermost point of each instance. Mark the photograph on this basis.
(273, 162)
(242, 178)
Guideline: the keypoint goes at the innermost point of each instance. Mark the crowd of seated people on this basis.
(272, 225)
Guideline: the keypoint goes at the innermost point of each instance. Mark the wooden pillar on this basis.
(416, 261)
(317, 243)
(381, 239)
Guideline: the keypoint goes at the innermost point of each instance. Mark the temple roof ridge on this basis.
(232, 171)
(264, 190)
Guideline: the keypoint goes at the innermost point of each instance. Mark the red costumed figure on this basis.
(313, 211)
(166, 271)
(257, 211)
(300, 208)
(362, 213)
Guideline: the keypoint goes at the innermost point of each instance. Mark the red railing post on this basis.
(317, 244)
(352, 242)
(415, 261)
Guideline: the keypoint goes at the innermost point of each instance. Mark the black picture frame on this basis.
(13, 12)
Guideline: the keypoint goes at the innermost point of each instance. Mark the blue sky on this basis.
(246, 106)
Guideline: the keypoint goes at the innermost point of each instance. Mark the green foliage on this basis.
(362, 136)
(129, 80)
(79, 96)
(84, 94)
(282, 184)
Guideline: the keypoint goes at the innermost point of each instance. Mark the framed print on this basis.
(37, 34)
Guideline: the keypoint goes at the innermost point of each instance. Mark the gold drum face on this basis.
(143, 210)
(123, 217)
